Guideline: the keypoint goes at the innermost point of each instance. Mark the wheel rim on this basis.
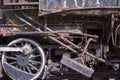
(27, 65)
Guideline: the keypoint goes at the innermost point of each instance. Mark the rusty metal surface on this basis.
(83, 7)
(20, 2)
(88, 30)
(96, 7)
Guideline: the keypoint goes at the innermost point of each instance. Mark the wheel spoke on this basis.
(33, 50)
(20, 68)
(22, 43)
(16, 55)
(12, 63)
(33, 67)
(36, 62)
(28, 69)
(23, 68)
(10, 58)
(16, 66)
(36, 56)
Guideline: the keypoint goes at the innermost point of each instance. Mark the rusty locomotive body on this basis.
(44, 38)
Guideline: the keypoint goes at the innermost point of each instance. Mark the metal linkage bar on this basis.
(99, 59)
(84, 50)
(10, 49)
(69, 42)
(70, 32)
(66, 46)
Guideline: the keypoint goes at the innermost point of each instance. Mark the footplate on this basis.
(86, 71)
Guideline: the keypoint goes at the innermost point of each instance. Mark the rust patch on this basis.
(3, 32)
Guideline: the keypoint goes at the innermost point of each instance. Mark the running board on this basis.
(83, 69)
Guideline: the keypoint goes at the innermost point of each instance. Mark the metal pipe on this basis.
(116, 34)
(111, 29)
(100, 59)
(86, 46)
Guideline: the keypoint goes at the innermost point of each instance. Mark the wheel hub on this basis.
(22, 60)
(26, 49)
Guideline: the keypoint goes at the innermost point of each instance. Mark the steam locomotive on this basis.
(40, 39)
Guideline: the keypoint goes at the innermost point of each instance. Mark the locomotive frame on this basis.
(41, 39)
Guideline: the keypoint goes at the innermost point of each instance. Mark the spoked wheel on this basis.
(26, 65)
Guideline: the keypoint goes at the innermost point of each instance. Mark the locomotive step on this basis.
(83, 69)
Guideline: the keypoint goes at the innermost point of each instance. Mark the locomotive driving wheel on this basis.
(26, 65)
